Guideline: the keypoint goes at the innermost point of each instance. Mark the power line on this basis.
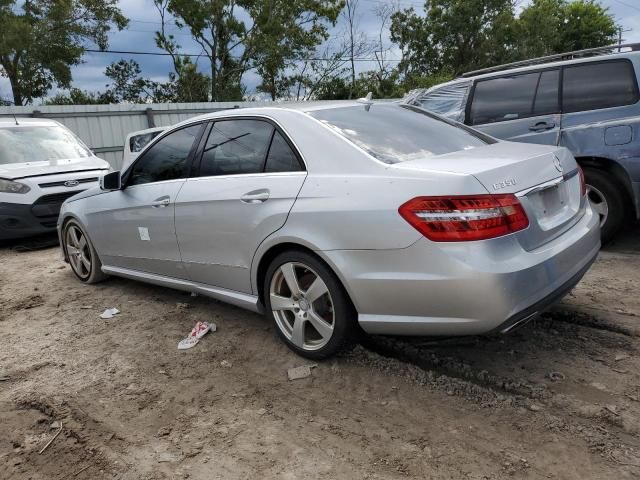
(628, 5)
(165, 54)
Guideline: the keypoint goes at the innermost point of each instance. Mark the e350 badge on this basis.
(507, 182)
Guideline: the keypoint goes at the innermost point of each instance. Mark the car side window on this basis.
(167, 159)
(591, 86)
(236, 147)
(281, 158)
(547, 101)
(514, 96)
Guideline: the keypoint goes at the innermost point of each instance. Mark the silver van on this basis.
(586, 101)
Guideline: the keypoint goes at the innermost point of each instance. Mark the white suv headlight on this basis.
(9, 186)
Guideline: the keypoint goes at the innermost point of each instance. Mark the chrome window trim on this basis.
(245, 175)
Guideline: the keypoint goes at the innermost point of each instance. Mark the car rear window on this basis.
(397, 133)
(592, 86)
(21, 144)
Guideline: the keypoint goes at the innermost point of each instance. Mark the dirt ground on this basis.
(557, 399)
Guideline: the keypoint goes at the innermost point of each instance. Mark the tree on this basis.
(127, 85)
(460, 35)
(314, 75)
(41, 40)
(385, 75)
(357, 42)
(457, 34)
(237, 35)
(285, 34)
(190, 84)
(75, 96)
(554, 26)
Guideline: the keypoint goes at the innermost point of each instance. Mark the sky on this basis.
(145, 20)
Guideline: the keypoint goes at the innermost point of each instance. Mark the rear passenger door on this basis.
(522, 107)
(245, 184)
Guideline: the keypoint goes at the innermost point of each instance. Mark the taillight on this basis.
(583, 184)
(465, 217)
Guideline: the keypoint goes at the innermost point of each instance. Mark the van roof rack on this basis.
(587, 52)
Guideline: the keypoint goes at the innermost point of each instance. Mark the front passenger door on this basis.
(249, 178)
(136, 224)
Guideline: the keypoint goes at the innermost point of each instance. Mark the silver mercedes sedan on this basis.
(341, 217)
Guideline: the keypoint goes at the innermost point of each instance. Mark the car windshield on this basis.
(397, 133)
(22, 144)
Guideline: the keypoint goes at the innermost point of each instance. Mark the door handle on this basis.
(542, 126)
(161, 202)
(257, 196)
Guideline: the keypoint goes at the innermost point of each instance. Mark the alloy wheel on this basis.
(598, 203)
(302, 306)
(78, 251)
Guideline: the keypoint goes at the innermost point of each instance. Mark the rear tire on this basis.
(311, 310)
(83, 258)
(607, 200)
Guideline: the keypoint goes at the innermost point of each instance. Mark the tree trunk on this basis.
(12, 75)
(213, 79)
(17, 94)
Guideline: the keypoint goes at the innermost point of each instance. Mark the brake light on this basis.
(583, 184)
(465, 217)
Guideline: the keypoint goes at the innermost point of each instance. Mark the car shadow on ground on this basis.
(29, 244)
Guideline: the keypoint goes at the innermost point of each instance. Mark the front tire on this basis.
(309, 306)
(607, 200)
(83, 258)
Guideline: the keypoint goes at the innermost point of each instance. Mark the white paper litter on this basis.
(109, 313)
(297, 373)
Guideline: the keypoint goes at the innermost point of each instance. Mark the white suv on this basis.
(42, 164)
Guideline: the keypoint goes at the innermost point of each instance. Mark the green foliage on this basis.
(457, 34)
(189, 84)
(75, 96)
(553, 26)
(462, 35)
(427, 81)
(41, 39)
(274, 32)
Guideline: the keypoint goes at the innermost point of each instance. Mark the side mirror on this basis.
(111, 181)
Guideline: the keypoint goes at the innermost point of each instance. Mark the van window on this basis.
(547, 94)
(591, 86)
(515, 96)
(446, 100)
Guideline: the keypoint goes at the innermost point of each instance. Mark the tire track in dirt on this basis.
(601, 429)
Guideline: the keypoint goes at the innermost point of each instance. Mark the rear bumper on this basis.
(529, 313)
(464, 288)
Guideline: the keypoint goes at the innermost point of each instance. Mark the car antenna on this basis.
(366, 101)
(15, 118)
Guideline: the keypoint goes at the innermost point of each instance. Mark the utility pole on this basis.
(621, 30)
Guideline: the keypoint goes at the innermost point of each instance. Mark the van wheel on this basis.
(309, 306)
(607, 200)
(83, 258)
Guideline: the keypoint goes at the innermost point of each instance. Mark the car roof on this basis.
(276, 110)
(27, 121)
(148, 130)
(530, 68)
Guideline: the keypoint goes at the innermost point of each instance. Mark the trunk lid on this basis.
(544, 178)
